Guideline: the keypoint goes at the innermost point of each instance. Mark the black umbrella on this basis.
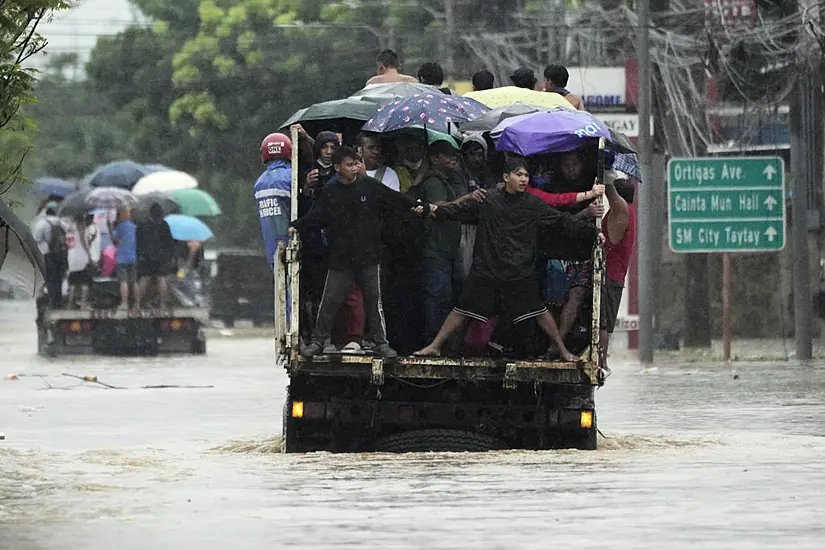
(395, 90)
(124, 174)
(145, 202)
(21, 263)
(337, 115)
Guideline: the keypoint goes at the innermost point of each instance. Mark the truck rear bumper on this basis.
(355, 404)
(121, 333)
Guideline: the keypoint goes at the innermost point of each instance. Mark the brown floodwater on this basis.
(692, 458)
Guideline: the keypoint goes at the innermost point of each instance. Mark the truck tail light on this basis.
(587, 419)
(297, 409)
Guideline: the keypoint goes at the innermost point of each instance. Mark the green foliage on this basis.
(19, 40)
(203, 84)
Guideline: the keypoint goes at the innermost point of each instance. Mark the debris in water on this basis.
(266, 446)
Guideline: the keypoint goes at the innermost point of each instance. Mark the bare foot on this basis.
(429, 351)
(567, 356)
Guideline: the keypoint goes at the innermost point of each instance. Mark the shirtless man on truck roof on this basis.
(388, 69)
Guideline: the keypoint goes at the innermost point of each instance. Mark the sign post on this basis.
(726, 204)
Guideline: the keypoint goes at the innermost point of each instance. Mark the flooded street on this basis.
(693, 458)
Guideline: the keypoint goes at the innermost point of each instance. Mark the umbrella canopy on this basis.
(622, 142)
(494, 117)
(55, 186)
(124, 174)
(145, 202)
(431, 111)
(337, 115)
(21, 263)
(396, 90)
(158, 182)
(105, 198)
(556, 131)
(501, 97)
(194, 202)
(628, 163)
(187, 228)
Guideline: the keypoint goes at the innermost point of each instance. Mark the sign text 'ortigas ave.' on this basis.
(734, 204)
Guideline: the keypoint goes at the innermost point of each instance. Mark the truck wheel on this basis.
(423, 441)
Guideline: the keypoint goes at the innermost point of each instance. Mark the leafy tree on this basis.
(19, 40)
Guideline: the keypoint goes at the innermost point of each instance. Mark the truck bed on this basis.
(437, 368)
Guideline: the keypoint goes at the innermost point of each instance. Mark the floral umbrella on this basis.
(429, 111)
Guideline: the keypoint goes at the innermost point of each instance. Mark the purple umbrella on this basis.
(429, 111)
(556, 131)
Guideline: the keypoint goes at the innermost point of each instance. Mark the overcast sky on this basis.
(76, 30)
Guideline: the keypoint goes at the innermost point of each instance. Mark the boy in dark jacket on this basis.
(350, 210)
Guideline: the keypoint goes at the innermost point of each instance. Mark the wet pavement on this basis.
(693, 458)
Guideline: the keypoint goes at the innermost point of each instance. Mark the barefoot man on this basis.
(503, 276)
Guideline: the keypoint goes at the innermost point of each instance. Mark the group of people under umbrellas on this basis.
(126, 222)
(394, 212)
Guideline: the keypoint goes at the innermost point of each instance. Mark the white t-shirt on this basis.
(390, 178)
(78, 259)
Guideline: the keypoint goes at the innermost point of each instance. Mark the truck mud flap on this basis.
(423, 441)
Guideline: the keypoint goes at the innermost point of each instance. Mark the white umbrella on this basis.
(158, 182)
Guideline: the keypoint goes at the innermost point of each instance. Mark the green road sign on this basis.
(726, 204)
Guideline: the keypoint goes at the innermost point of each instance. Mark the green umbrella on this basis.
(194, 202)
(433, 136)
(336, 115)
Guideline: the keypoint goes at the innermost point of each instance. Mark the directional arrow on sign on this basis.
(771, 234)
(769, 171)
(770, 202)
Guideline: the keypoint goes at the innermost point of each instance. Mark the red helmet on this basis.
(276, 146)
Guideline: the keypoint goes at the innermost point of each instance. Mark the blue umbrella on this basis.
(187, 228)
(123, 174)
(556, 131)
(430, 111)
(55, 186)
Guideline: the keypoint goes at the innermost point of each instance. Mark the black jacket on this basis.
(351, 214)
(508, 225)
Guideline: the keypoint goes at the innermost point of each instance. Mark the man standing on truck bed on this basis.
(619, 228)
(51, 240)
(503, 275)
(350, 209)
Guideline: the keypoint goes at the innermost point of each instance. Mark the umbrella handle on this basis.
(600, 175)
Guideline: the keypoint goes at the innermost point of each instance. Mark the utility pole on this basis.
(449, 29)
(646, 218)
(805, 160)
